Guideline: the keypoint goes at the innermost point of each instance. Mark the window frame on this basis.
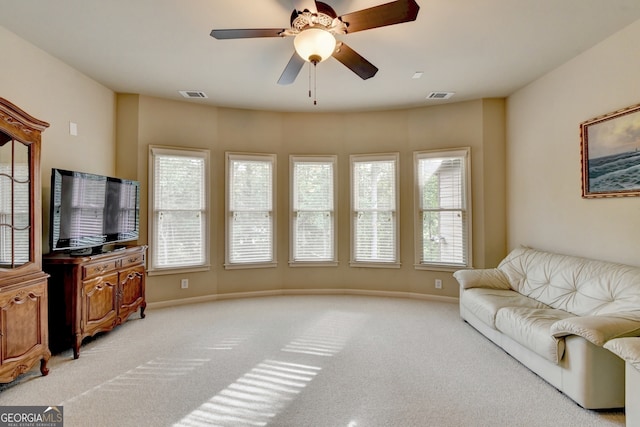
(465, 154)
(361, 158)
(229, 158)
(293, 159)
(158, 150)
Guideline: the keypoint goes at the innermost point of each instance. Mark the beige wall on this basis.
(545, 208)
(115, 131)
(50, 90)
(540, 188)
(479, 124)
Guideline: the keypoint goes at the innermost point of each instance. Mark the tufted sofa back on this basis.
(580, 286)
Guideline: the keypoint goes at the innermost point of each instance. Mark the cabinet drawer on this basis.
(97, 269)
(133, 259)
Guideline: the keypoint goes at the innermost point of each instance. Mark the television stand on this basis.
(85, 251)
(93, 293)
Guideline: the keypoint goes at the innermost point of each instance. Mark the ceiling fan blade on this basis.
(326, 9)
(353, 61)
(292, 70)
(392, 13)
(246, 33)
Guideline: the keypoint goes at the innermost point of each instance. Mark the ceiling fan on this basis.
(315, 27)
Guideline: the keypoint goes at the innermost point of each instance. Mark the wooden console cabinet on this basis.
(91, 294)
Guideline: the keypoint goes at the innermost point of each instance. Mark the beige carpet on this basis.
(349, 361)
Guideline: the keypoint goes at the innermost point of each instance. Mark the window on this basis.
(443, 216)
(179, 208)
(374, 201)
(14, 211)
(313, 210)
(250, 210)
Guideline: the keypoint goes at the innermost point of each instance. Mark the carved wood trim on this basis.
(18, 124)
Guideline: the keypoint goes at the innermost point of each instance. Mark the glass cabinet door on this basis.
(15, 192)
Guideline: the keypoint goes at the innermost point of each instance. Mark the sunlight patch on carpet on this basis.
(262, 393)
(255, 398)
(228, 343)
(328, 335)
(160, 369)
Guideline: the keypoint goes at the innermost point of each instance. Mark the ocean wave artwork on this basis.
(615, 173)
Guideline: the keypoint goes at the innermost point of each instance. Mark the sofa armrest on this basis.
(484, 278)
(596, 329)
(628, 349)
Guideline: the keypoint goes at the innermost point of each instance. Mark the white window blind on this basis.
(250, 216)
(313, 209)
(442, 203)
(127, 208)
(374, 199)
(179, 200)
(14, 213)
(87, 206)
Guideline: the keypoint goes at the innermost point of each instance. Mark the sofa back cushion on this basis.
(580, 286)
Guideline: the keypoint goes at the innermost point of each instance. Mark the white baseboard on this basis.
(281, 292)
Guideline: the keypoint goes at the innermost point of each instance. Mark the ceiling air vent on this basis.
(440, 95)
(193, 94)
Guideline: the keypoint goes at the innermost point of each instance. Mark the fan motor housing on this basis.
(325, 17)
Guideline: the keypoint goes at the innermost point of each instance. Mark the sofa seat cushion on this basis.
(485, 303)
(531, 327)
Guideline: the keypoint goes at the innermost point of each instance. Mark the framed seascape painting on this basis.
(610, 148)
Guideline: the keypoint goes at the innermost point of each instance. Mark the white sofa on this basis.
(628, 349)
(554, 313)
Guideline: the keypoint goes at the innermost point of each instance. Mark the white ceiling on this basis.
(475, 48)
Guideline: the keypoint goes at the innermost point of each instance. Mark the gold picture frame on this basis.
(610, 151)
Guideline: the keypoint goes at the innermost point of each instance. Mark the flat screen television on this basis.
(89, 212)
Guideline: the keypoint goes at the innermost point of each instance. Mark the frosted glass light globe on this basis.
(314, 44)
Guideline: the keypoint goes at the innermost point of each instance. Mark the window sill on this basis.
(434, 267)
(250, 265)
(360, 264)
(313, 263)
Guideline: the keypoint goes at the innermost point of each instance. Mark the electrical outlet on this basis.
(184, 283)
(438, 284)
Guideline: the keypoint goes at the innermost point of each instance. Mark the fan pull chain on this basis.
(315, 84)
(310, 79)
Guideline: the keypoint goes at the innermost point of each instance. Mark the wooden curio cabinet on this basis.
(23, 285)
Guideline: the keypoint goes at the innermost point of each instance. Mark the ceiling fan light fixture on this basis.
(314, 44)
